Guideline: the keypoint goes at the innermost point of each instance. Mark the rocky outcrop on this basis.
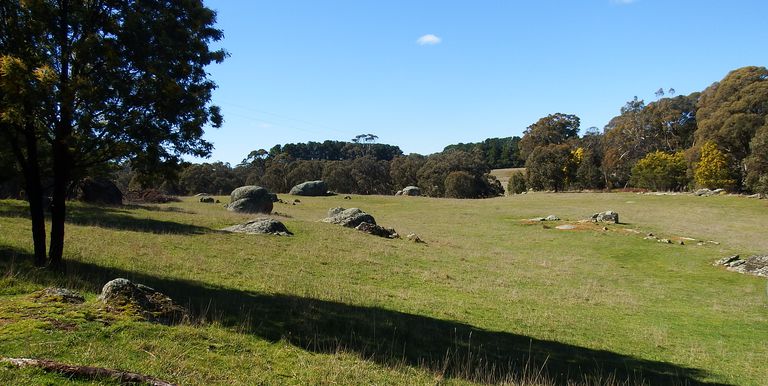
(251, 199)
(350, 218)
(123, 295)
(754, 265)
(260, 226)
(310, 188)
(607, 216)
(377, 230)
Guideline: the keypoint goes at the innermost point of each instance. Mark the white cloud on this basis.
(623, 2)
(429, 40)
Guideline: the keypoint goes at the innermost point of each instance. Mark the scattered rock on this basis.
(415, 238)
(399, 193)
(707, 192)
(347, 197)
(565, 227)
(98, 191)
(350, 218)
(537, 219)
(607, 216)
(411, 191)
(207, 200)
(297, 201)
(682, 242)
(123, 295)
(251, 199)
(202, 194)
(650, 235)
(552, 217)
(665, 241)
(753, 265)
(727, 260)
(261, 226)
(605, 228)
(61, 295)
(310, 188)
(377, 230)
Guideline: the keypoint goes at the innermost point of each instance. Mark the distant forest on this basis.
(717, 138)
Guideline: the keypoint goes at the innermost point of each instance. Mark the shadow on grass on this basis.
(392, 338)
(112, 217)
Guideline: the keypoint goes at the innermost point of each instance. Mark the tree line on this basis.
(717, 138)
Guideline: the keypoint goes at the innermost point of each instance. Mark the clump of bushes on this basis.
(660, 171)
(516, 184)
(712, 170)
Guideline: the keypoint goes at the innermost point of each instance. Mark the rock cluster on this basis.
(349, 218)
(377, 230)
(251, 199)
(551, 217)
(607, 216)
(260, 226)
(358, 219)
(707, 192)
(310, 188)
(753, 265)
(124, 295)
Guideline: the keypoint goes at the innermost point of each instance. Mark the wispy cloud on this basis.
(429, 40)
(623, 2)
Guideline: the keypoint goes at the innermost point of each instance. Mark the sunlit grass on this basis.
(300, 309)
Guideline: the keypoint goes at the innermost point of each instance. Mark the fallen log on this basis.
(86, 371)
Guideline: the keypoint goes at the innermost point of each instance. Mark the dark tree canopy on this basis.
(95, 82)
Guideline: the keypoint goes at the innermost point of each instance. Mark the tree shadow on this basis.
(112, 217)
(392, 338)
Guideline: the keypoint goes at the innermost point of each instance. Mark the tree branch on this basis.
(85, 371)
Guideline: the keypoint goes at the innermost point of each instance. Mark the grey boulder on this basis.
(310, 188)
(260, 226)
(251, 199)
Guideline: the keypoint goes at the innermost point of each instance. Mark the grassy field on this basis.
(489, 297)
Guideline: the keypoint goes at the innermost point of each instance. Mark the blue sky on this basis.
(314, 70)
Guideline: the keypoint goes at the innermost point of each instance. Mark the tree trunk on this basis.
(35, 196)
(61, 152)
(58, 203)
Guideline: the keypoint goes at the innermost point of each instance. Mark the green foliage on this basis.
(461, 184)
(550, 167)
(730, 112)
(713, 169)
(551, 130)
(404, 171)
(499, 153)
(516, 184)
(757, 163)
(433, 174)
(214, 178)
(660, 171)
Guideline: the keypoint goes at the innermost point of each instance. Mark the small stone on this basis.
(682, 242)
(665, 241)
(552, 217)
(605, 228)
(415, 238)
(650, 235)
